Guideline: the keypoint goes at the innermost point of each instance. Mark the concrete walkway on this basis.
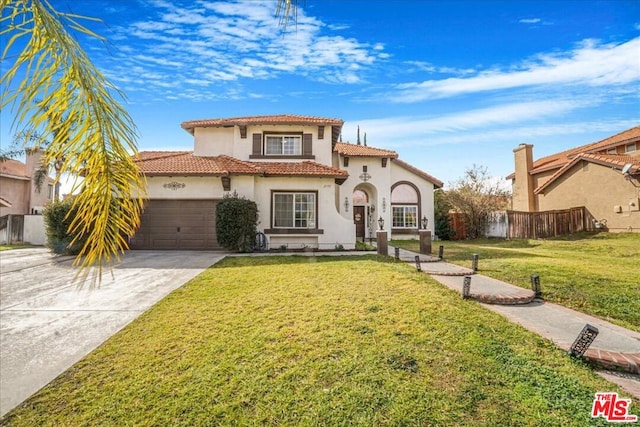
(47, 323)
(614, 347)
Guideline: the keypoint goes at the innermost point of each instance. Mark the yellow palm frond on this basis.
(53, 86)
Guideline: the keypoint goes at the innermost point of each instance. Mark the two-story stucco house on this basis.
(603, 176)
(311, 190)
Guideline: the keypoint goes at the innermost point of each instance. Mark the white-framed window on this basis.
(612, 151)
(630, 148)
(405, 216)
(50, 191)
(404, 206)
(283, 145)
(294, 210)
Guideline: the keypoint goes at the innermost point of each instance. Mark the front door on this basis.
(358, 219)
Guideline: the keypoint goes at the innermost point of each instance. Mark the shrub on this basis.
(57, 218)
(236, 223)
(363, 246)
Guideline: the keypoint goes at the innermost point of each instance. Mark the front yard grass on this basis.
(598, 274)
(319, 341)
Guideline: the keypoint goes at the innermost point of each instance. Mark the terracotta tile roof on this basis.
(185, 163)
(280, 119)
(305, 168)
(355, 150)
(610, 160)
(436, 182)
(13, 168)
(559, 159)
(624, 137)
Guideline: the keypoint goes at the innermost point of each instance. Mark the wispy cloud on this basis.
(590, 64)
(412, 130)
(213, 44)
(530, 20)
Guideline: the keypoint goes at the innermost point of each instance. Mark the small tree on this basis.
(441, 206)
(236, 223)
(475, 196)
(58, 215)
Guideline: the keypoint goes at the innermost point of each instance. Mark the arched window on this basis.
(360, 197)
(404, 206)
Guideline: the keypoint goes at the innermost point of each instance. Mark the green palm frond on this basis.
(52, 86)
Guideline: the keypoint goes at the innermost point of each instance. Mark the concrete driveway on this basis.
(47, 323)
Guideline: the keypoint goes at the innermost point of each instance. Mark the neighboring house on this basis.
(18, 192)
(311, 190)
(603, 176)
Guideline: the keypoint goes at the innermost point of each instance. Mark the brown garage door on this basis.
(177, 224)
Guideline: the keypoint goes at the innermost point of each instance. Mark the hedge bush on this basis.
(236, 223)
(57, 218)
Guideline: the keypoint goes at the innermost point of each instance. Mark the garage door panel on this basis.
(177, 224)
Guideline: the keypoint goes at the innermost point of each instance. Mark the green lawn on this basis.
(319, 341)
(19, 246)
(596, 274)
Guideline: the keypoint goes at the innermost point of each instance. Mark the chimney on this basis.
(523, 197)
(33, 160)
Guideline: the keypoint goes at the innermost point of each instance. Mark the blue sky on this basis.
(445, 84)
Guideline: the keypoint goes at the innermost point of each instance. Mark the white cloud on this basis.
(590, 64)
(530, 21)
(221, 42)
(418, 129)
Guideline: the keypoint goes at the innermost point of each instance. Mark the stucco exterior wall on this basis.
(215, 141)
(577, 187)
(378, 186)
(426, 192)
(34, 230)
(184, 187)
(16, 191)
(336, 228)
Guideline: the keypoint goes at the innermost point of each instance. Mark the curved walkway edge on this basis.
(614, 348)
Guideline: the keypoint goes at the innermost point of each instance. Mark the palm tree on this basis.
(52, 86)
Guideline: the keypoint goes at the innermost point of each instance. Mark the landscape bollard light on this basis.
(418, 267)
(441, 252)
(535, 285)
(397, 252)
(474, 263)
(584, 340)
(466, 287)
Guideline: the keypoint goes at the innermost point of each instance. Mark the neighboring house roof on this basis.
(355, 150)
(558, 160)
(609, 160)
(5, 203)
(280, 119)
(436, 182)
(159, 163)
(14, 169)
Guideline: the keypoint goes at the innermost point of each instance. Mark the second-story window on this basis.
(283, 145)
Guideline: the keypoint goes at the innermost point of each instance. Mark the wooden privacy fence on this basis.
(11, 228)
(539, 225)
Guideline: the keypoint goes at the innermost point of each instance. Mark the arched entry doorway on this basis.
(364, 206)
